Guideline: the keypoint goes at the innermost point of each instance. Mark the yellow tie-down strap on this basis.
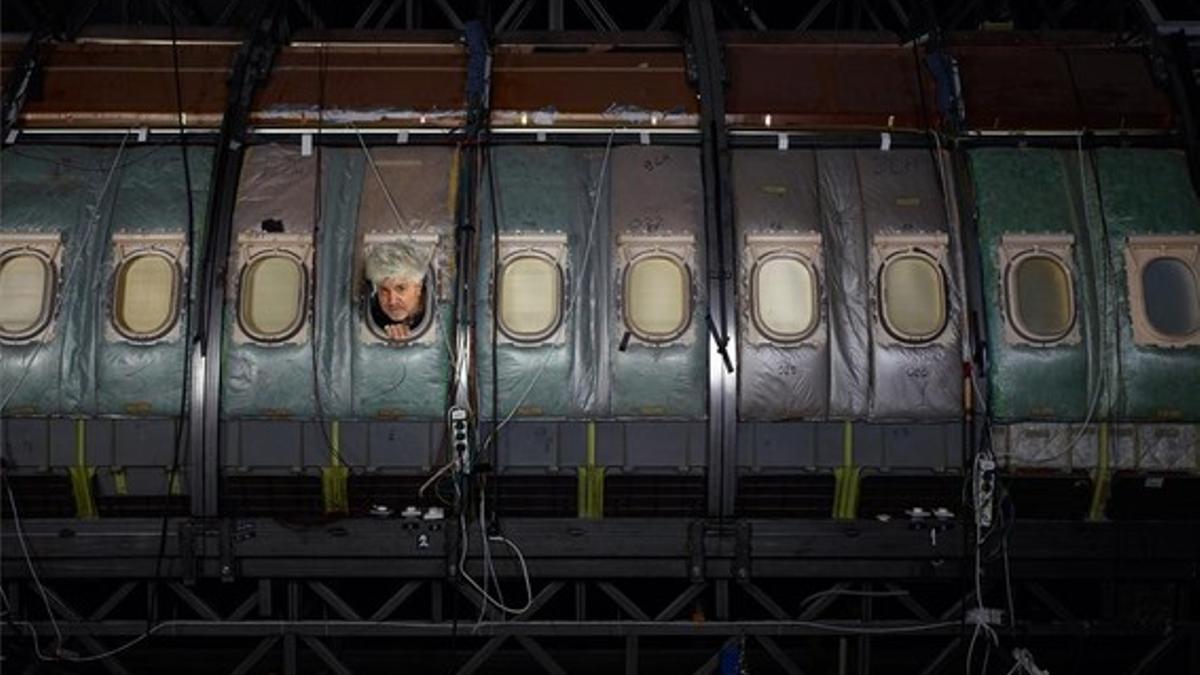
(335, 492)
(82, 476)
(846, 478)
(1102, 480)
(590, 495)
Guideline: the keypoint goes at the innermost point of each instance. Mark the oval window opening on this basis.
(26, 290)
(785, 298)
(530, 299)
(657, 301)
(377, 321)
(913, 297)
(145, 306)
(1041, 288)
(272, 298)
(1170, 296)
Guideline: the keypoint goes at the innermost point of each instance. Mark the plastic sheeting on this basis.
(849, 367)
(544, 190)
(353, 373)
(643, 191)
(147, 378)
(1102, 198)
(777, 192)
(1066, 447)
(657, 191)
(86, 195)
(1147, 192)
(393, 380)
(1034, 191)
(277, 184)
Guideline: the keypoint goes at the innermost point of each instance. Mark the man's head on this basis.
(397, 275)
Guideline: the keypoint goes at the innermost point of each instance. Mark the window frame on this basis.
(253, 248)
(1140, 252)
(679, 250)
(126, 248)
(426, 331)
(929, 247)
(1015, 248)
(559, 314)
(760, 248)
(47, 249)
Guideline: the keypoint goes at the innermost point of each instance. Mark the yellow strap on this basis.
(846, 478)
(1102, 480)
(335, 443)
(334, 478)
(120, 482)
(174, 482)
(591, 443)
(452, 193)
(82, 476)
(589, 496)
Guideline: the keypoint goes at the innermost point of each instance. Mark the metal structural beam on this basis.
(22, 81)
(546, 633)
(906, 18)
(23, 76)
(251, 67)
(1173, 44)
(706, 55)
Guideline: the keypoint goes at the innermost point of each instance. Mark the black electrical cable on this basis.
(189, 339)
(318, 215)
(494, 434)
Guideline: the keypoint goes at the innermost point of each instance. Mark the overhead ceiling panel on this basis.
(823, 86)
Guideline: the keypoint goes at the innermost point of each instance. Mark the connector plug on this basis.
(985, 616)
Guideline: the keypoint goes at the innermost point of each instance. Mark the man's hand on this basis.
(397, 331)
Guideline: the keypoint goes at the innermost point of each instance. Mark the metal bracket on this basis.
(741, 551)
(231, 533)
(192, 536)
(695, 550)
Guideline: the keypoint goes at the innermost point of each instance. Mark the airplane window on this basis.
(530, 301)
(1170, 297)
(785, 296)
(913, 297)
(272, 297)
(26, 294)
(1040, 297)
(657, 297)
(146, 295)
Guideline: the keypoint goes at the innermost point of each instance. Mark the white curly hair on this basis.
(398, 260)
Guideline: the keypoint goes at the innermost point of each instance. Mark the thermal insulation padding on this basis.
(838, 219)
(84, 197)
(1036, 194)
(144, 374)
(1107, 201)
(273, 225)
(657, 217)
(540, 207)
(1144, 193)
(400, 194)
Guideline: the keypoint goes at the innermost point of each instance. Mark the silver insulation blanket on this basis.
(847, 213)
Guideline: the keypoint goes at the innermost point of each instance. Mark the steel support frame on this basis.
(251, 67)
(314, 613)
(705, 56)
(769, 582)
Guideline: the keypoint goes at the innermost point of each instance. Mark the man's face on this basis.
(400, 298)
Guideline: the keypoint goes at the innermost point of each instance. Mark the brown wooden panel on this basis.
(1116, 91)
(826, 86)
(1017, 87)
(366, 85)
(593, 87)
(90, 84)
